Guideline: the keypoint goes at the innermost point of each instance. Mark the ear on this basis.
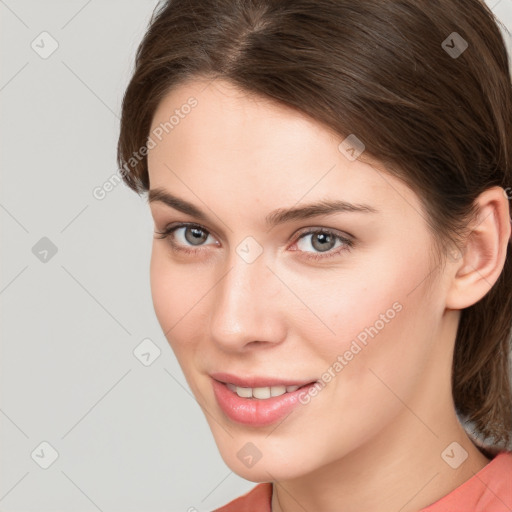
(484, 253)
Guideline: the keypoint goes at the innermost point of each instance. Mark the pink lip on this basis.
(253, 411)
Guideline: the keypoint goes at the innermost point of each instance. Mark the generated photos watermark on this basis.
(156, 136)
(356, 346)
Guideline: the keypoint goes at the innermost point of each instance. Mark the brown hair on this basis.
(437, 114)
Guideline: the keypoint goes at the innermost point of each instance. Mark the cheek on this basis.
(174, 291)
(375, 311)
(385, 320)
(348, 300)
(164, 296)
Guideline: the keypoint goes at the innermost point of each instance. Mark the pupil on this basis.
(198, 235)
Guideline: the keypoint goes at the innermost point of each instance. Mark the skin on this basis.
(373, 436)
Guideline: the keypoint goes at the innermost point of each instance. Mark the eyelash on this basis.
(348, 244)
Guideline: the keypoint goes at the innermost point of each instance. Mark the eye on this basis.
(189, 238)
(184, 235)
(324, 241)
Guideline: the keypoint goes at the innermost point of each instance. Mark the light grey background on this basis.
(129, 437)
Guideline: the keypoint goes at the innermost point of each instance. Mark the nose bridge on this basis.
(245, 307)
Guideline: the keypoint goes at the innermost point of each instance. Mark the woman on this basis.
(330, 183)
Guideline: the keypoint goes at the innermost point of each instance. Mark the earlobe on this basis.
(484, 252)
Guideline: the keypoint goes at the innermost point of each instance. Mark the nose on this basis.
(248, 307)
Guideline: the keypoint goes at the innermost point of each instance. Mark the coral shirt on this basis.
(489, 490)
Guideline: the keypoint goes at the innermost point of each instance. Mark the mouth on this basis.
(257, 401)
(263, 393)
(260, 388)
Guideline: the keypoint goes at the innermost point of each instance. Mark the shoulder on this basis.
(488, 490)
(257, 499)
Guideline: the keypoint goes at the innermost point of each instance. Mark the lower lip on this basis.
(253, 411)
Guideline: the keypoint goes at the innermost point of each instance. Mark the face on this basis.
(336, 302)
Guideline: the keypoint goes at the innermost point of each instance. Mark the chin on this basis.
(271, 460)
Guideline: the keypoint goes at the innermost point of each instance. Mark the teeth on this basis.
(277, 390)
(261, 393)
(244, 392)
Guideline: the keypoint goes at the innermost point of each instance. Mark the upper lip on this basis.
(257, 381)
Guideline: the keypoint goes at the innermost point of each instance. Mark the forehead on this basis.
(224, 118)
(248, 147)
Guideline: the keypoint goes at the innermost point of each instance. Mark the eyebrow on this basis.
(279, 216)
